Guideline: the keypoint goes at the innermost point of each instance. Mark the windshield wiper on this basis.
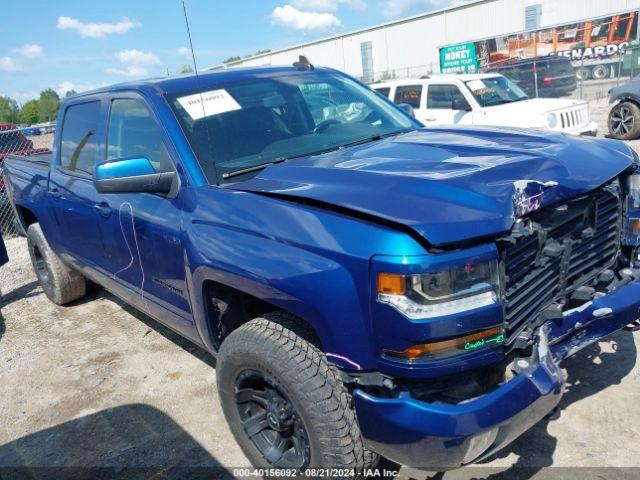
(372, 138)
(253, 168)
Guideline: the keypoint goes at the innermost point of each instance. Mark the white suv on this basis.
(486, 99)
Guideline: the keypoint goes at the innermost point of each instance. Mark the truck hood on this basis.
(448, 184)
(535, 106)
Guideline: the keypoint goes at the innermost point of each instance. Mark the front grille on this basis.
(573, 118)
(555, 251)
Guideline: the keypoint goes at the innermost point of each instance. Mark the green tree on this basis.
(184, 69)
(29, 112)
(48, 105)
(9, 111)
(70, 93)
(232, 59)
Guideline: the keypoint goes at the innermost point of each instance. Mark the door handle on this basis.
(102, 209)
(56, 194)
(429, 119)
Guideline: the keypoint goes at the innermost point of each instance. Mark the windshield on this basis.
(495, 91)
(242, 126)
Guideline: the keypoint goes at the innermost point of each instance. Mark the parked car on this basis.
(486, 99)
(13, 141)
(555, 76)
(624, 116)
(367, 286)
(32, 131)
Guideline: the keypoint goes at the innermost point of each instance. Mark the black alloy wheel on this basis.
(624, 121)
(271, 421)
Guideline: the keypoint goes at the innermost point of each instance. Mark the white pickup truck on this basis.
(486, 99)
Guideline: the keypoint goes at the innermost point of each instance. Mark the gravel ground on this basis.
(97, 384)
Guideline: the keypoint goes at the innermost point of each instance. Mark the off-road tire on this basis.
(60, 283)
(288, 351)
(627, 113)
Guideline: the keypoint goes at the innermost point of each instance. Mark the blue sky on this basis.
(67, 44)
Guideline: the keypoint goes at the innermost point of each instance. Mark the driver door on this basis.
(441, 99)
(144, 243)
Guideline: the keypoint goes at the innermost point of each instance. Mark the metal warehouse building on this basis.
(468, 36)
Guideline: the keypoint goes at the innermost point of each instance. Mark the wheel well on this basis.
(228, 309)
(26, 217)
(630, 100)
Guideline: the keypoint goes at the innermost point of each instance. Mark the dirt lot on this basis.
(96, 384)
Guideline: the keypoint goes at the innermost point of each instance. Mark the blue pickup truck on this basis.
(368, 287)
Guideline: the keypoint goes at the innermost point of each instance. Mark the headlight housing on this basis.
(552, 120)
(442, 293)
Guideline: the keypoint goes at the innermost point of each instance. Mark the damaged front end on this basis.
(569, 276)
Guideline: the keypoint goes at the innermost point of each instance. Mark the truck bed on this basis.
(25, 179)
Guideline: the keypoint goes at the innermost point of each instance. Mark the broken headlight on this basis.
(442, 293)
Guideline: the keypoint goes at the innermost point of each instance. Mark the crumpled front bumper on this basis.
(441, 436)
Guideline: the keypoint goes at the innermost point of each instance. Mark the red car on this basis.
(13, 141)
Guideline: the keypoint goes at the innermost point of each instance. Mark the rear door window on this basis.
(79, 145)
(442, 96)
(409, 94)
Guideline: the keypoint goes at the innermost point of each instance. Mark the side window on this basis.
(443, 96)
(384, 91)
(78, 144)
(409, 94)
(133, 133)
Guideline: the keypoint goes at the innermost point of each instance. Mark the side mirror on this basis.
(131, 175)
(408, 109)
(460, 104)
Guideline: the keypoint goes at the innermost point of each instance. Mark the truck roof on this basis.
(204, 80)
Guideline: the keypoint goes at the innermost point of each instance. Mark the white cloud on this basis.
(67, 86)
(134, 63)
(29, 51)
(290, 17)
(184, 52)
(327, 5)
(97, 30)
(9, 65)
(401, 8)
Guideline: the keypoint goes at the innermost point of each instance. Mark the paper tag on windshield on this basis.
(206, 104)
(476, 85)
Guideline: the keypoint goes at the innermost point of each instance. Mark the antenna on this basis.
(193, 55)
(195, 69)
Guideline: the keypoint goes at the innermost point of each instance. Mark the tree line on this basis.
(41, 109)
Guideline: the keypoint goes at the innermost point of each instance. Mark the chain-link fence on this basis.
(21, 142)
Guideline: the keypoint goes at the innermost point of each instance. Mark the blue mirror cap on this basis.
(123, 168)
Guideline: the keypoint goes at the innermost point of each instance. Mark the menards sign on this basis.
(594, 39)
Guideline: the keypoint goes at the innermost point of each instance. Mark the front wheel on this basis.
(286, 407)
(624, 121)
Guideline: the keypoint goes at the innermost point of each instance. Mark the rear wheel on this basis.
(60, 283)
(624, 121)
(583, 73)
(286, 407)
(600, 72)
